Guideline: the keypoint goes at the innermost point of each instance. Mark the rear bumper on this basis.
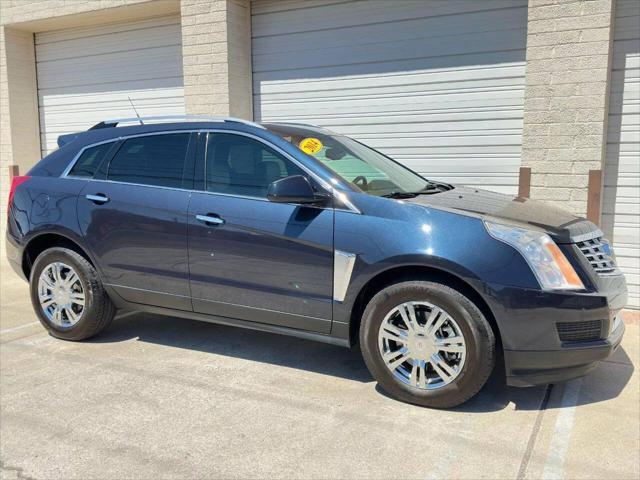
(529, 368)
(14, 255)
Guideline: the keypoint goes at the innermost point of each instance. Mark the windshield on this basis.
(366, 169)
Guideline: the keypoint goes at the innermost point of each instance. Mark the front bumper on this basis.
(529, 368)
(528, 322)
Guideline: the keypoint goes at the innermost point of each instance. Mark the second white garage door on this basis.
(86, 75)
(437, 85)
(621, 209)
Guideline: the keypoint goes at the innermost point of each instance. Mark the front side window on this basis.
(89, 161)
(151, 160)
(366, 169)
(239, 165)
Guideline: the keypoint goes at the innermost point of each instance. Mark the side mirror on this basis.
(293, 189)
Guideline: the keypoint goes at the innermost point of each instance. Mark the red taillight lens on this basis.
(14, 184)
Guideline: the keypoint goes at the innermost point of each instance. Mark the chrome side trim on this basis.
(343, 263)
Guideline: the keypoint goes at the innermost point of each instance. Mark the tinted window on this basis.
(152, 160)
(240, 165)
(89, 161)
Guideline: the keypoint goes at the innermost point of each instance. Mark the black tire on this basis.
(98, 309)
(478, 336)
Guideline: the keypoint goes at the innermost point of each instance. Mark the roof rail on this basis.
(163, 118)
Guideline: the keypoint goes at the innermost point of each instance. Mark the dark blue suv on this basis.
(294, 229)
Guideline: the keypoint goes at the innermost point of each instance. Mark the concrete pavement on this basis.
(158, 397)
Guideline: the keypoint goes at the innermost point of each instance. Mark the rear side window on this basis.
(151, 160)
(89, 161)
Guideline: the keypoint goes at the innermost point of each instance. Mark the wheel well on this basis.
(48, 240)
(402, 274)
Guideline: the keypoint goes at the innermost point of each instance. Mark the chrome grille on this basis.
(598, 254)
(586, 331)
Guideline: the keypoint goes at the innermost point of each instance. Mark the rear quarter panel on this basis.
(45, 205)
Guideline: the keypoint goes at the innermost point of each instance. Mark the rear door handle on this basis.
(210, 219)
(98, 198)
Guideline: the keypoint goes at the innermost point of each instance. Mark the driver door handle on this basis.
(98, 198)
(210, 219)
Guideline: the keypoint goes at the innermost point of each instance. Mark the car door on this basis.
(133, 216)
(252, 259)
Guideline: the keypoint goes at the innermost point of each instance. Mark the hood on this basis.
(561, 225)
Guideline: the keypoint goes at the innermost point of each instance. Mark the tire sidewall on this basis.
(467, 316)
(82, 269)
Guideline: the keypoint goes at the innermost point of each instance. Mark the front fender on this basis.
(405, 235)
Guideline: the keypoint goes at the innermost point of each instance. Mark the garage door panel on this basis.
(466, 77)
(166, 36)
(621, 196)
(349, 14)
(86, 75)
(428, 83)
(107, 69)
(412, 35)
(480, 61)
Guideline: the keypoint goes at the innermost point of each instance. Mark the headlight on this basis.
(548, 263)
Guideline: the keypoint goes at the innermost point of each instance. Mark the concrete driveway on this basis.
(160, 397)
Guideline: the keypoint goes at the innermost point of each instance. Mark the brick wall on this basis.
(566, 97)
(216, 48)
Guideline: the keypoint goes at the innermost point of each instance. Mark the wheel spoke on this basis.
(57, 315)
(56, 273)
(77, 298)
(71, 315)
(391, 332)
(418, 374)
(396, 358)
(408, 314)
(44, 278)
(444, 371)
(46, 300)
(72, 278)
(451, 344)
(435, 321)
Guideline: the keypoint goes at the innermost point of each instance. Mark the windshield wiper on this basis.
(400, 194)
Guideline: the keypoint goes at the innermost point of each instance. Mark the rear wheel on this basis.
(67, 295)
(427, 344)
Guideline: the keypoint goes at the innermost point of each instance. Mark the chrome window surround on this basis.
(350, 207)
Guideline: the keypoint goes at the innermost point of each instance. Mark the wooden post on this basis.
(14, 171)
(594, 196)
(524, 182)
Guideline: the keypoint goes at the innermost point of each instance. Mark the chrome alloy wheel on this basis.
(61, 294)
(422, 345)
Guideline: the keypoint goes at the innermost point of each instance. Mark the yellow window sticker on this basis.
(310, 145)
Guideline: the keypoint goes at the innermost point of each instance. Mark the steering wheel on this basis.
(361, 182)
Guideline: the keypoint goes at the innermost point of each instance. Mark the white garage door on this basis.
(621, 209)
(86, 75)
(437, 85)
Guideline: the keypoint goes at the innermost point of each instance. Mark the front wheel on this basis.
(426, 343)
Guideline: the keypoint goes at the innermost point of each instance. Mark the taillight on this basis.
(14, 184)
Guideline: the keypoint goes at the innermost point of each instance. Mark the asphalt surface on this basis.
(158, 397)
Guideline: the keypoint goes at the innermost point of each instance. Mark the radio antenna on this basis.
(134, 109)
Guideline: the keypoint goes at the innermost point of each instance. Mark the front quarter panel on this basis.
(391, 233)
